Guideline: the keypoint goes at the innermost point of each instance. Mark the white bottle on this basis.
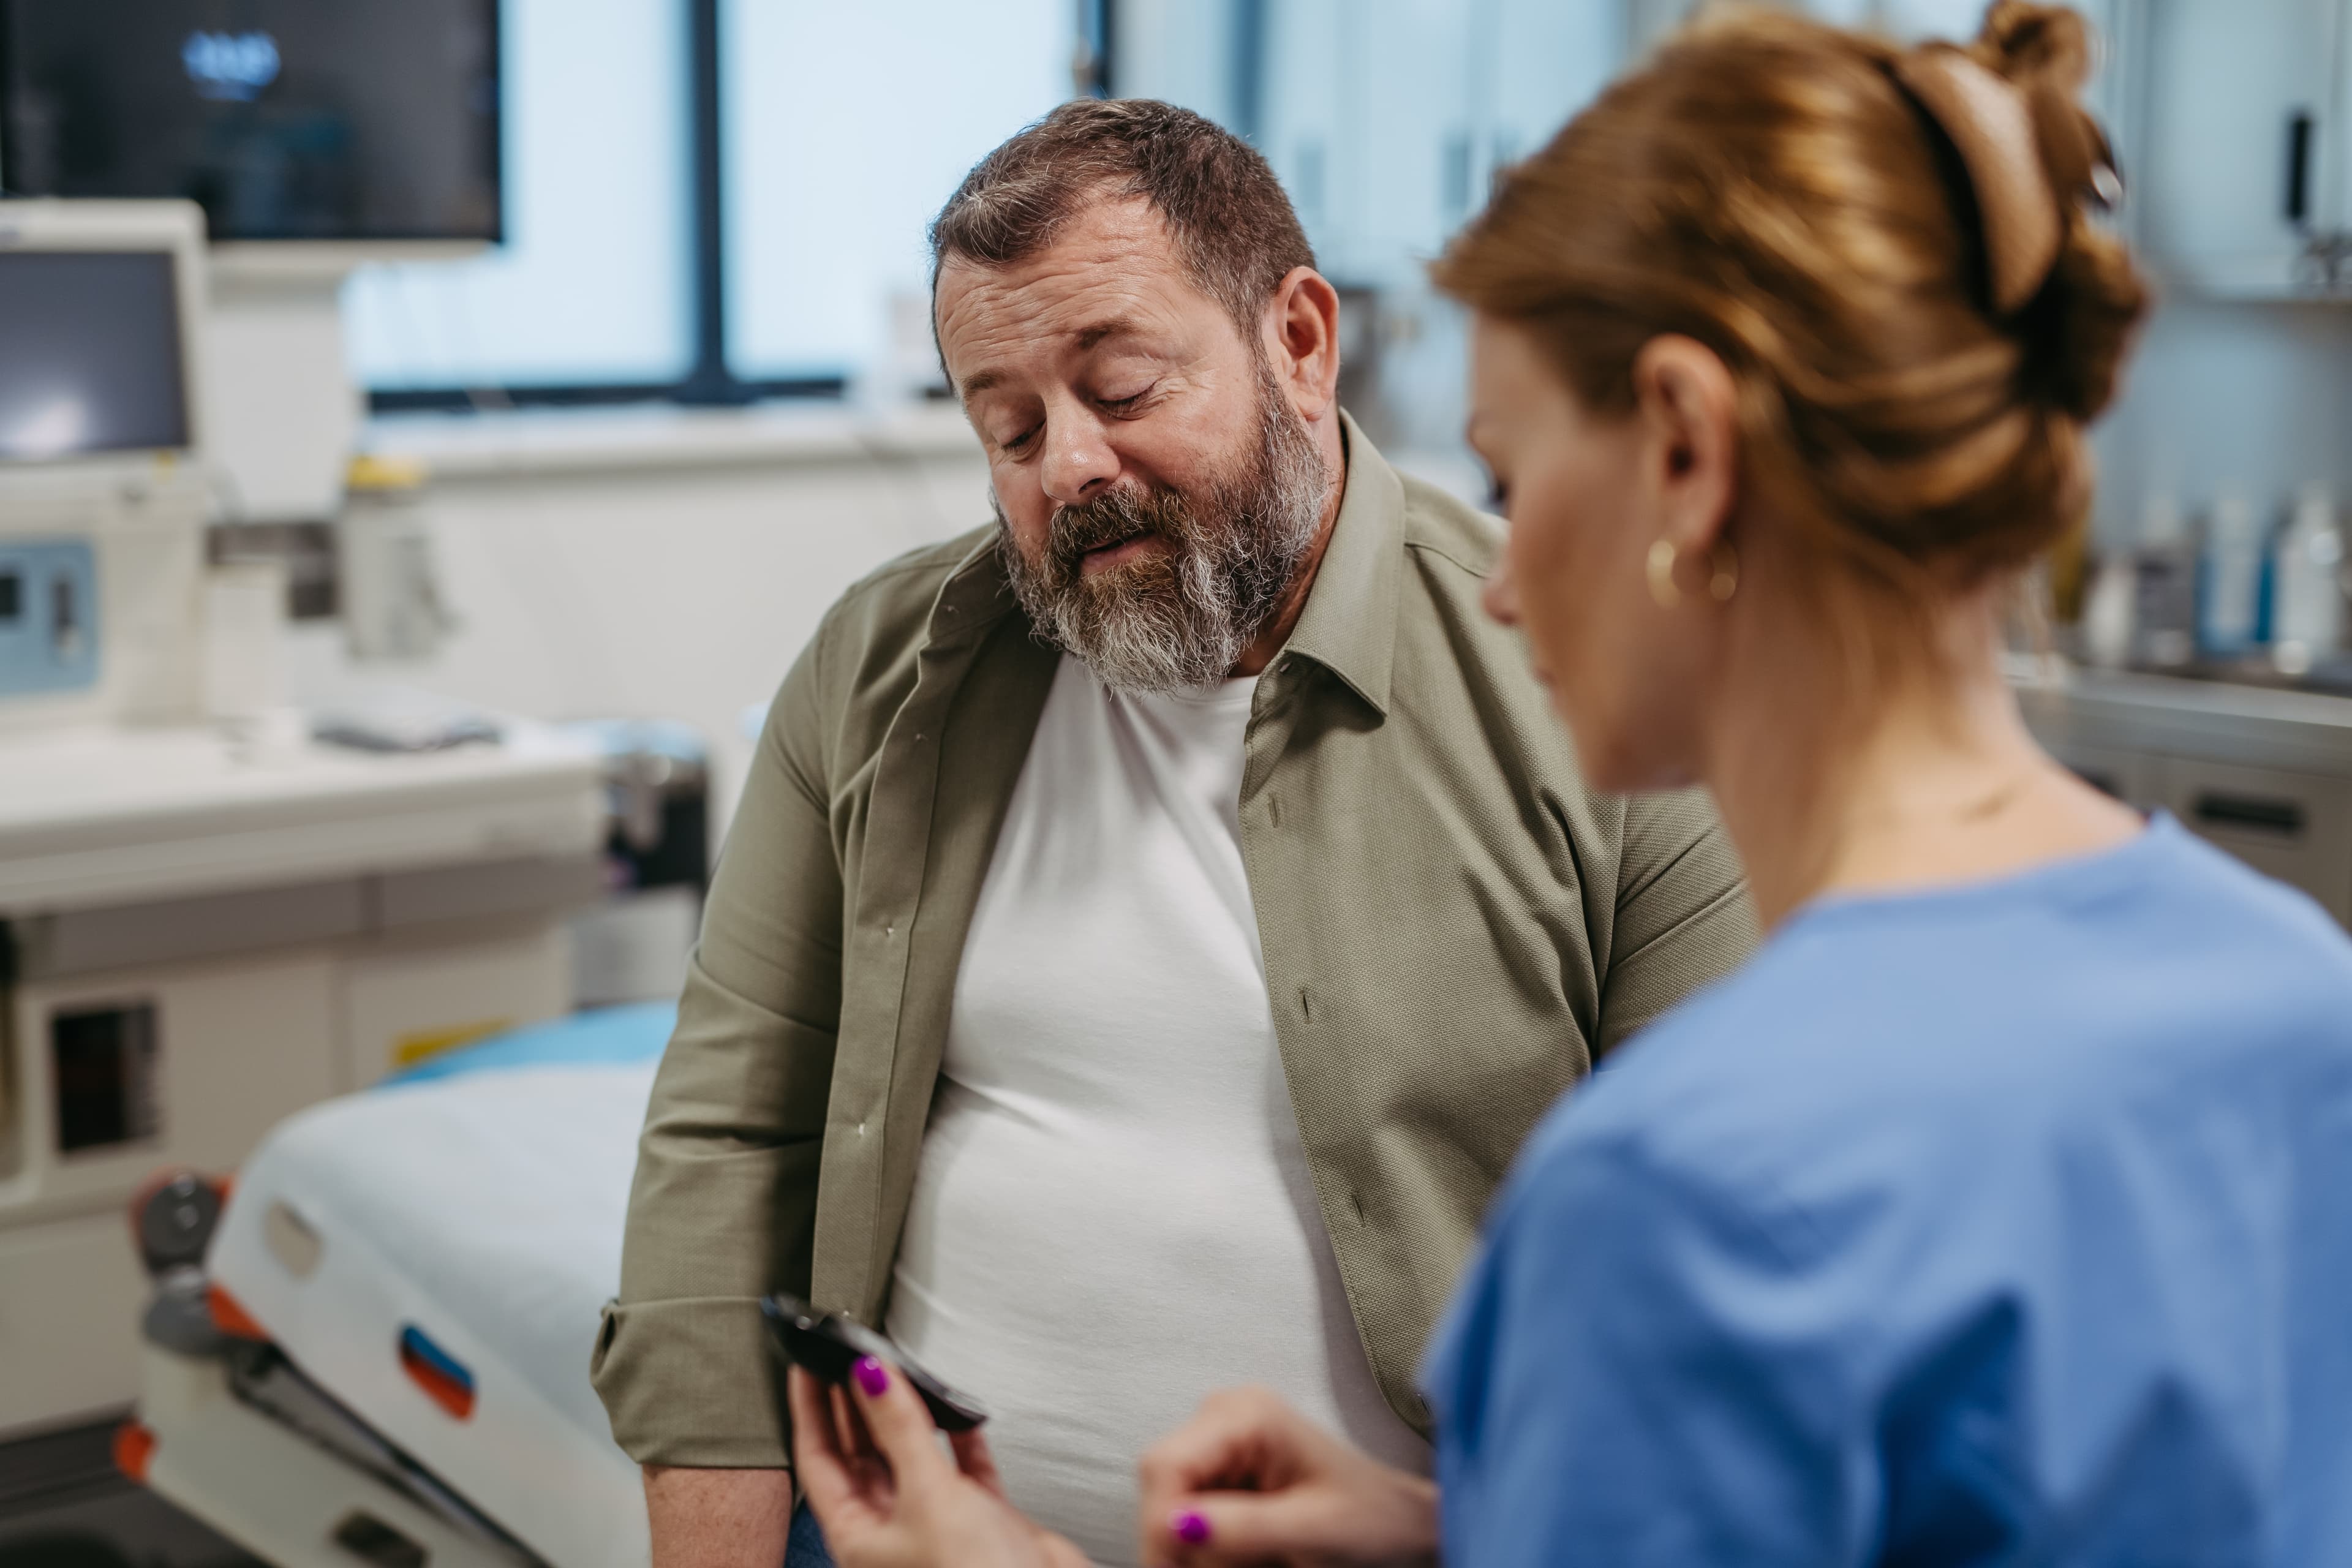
(2309, 623)
(244, 630)
(2230, 579)
(391, 605)
(2107, 613)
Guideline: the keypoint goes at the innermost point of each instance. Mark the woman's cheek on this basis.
(1562, 622)
(1555, 581)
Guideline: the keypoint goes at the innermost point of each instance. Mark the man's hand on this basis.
(872, 1468)
(1250, 1481)
(719, 1519)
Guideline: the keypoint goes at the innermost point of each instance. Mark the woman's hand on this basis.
(870, 1465)
(1249, 1481)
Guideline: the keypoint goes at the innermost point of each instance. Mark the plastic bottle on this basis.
(2107, 613)
(2308, 625)
(2164, 605)
(2230, 580)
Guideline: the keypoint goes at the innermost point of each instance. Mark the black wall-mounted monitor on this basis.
(349, 121)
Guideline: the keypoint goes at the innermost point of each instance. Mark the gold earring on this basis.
(1661, 575)
(1725, 579)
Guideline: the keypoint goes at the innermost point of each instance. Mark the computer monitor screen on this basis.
(322, 119)
(92, 357)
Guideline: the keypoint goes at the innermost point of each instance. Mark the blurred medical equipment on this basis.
(262, 110)
(315, 138)
(102, 498)
(383, 1353)
(244, 624)
(207, 919)
(634, 946)
(401, 719)
(392, 607)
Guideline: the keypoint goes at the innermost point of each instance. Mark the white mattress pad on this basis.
(485, 1212)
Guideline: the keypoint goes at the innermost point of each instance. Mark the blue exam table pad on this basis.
(611, 1036)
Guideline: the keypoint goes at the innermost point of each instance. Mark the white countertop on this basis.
(521, 443)
(2309, 732)
(95, 817)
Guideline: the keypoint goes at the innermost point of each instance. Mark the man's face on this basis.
(1155, 490)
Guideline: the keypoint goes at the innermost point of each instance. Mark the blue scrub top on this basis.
(2005, 1223)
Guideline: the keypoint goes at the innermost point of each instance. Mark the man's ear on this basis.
(1302, 341)
(1690, 410)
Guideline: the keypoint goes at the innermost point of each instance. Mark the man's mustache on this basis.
(1113, 519)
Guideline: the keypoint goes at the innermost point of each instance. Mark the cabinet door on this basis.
(2294, 827)
(70, 1292)
(124, 1072)
(2232, 88)
(1542, 62)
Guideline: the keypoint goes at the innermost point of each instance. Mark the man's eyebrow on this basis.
(1109, 327)
(1088, 337)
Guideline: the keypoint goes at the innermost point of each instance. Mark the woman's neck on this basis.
(1935, 781)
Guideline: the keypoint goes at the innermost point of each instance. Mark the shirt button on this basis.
(861, 1130)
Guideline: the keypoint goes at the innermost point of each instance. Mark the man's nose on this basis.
(1078, 461)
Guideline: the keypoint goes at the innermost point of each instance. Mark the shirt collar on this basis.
(1348, 623)
(977, 593)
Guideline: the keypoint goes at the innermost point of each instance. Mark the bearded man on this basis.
(1151, 923)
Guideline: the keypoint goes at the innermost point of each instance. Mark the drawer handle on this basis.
(2299, 127)
(2283, 818)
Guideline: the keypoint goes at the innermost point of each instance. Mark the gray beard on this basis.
(1180, 621)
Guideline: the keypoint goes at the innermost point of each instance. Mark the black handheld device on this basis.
(827, 1345)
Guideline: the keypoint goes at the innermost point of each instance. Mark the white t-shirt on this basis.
(1113, 1216)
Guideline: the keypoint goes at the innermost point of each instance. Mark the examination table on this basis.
(383, 1355)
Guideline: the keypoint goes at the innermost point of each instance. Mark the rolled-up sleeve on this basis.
(1683, 916)
(723, 1207)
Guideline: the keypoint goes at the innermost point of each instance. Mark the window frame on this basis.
(710, 382)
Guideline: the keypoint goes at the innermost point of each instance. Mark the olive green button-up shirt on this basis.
(1453, 929)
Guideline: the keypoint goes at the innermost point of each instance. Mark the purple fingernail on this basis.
(1189, 1528)
(872, 1376)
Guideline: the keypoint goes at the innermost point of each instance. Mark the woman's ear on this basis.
(1689, 411)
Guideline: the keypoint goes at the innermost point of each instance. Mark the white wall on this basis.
(655, 567)
(2251, 398)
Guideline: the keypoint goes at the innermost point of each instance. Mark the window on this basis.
(845, 128)
(1385, 120)
(594, 284)
(835, 131)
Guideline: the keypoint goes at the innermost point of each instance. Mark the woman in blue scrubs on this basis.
(2001, 1209)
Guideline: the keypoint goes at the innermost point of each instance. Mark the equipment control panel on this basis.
(48, 616)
